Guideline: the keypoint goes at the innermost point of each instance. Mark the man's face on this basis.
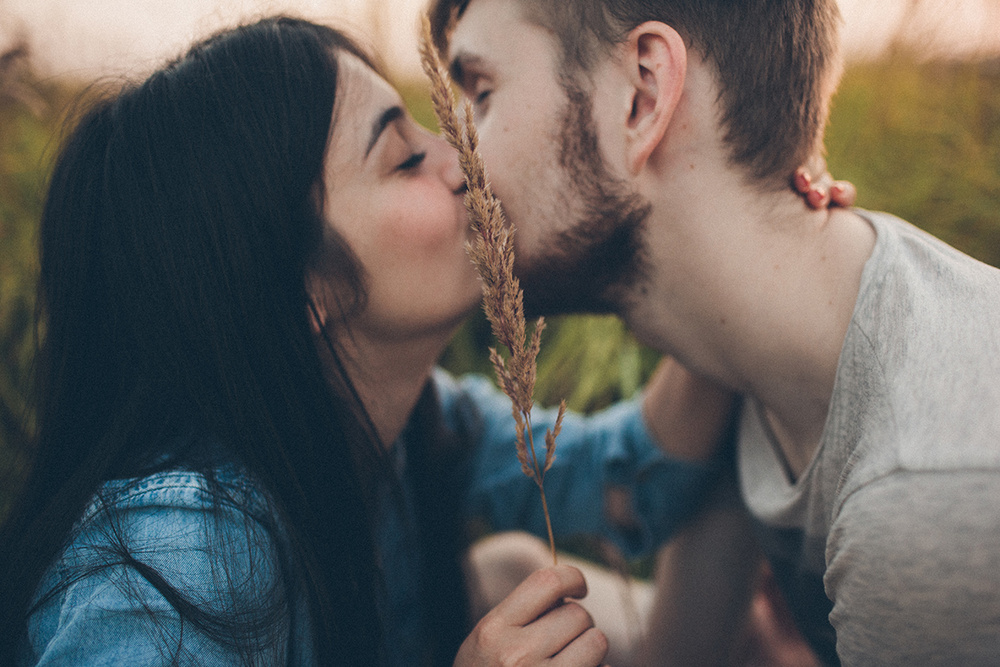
(579, 244)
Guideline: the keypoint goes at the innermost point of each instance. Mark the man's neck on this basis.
(755, 291)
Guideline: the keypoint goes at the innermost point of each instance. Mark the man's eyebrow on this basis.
(385, 118)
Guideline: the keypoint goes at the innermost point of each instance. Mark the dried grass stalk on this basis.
(492, 252)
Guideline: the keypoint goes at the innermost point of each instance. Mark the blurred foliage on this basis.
(923, 142)
(24, 135)
(920, 140)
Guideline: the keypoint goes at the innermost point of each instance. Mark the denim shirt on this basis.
(116, 616)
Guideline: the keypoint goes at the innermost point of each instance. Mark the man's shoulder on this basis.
(912, 500)
(921, 359)
(926, 314)
(907, 256)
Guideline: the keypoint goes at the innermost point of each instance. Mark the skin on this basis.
(393, 192)
(561, 190)
(520, 129)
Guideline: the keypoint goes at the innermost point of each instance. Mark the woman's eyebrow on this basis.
(383, 121)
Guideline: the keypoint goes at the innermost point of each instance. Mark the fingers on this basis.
(843, 193)
(559, 628)
(815, 191)
(541, 591)
(533, 625)
(587, 650)
(828, 192)
(818, 197)
(802, 180)
(822, 191)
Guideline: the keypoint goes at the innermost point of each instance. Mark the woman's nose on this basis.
(451, 172)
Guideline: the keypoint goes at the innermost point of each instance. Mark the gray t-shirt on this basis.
(888, 545)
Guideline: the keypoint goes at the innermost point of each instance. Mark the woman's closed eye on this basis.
(412, 162)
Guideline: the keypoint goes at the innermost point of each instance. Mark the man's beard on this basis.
(592, 266)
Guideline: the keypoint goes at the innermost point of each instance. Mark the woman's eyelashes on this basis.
(412, 162)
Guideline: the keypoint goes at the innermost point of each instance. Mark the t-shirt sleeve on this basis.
(608, 478)
(914, 571)
(119, 610)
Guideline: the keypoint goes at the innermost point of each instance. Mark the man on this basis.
(641, 150)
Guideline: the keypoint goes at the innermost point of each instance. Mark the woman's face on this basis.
(393, 191)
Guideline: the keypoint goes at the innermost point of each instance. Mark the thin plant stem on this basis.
(492, 253)
(539, 481)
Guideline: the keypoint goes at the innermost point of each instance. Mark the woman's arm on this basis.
(609, 478)
(164, 578)
(686, 414)
(703, 585)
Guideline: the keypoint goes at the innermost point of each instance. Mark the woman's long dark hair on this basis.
(181, 220)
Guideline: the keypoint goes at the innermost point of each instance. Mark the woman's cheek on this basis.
(421, 229)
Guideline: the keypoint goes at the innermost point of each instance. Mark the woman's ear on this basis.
(655, 61)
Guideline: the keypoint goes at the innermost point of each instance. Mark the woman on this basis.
(250, 264)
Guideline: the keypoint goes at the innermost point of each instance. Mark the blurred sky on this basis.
(92, 37)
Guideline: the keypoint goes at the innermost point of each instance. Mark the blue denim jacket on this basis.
(117, 617)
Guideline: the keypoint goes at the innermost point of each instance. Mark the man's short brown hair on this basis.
(775, 60)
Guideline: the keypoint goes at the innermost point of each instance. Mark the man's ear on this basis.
(655, 59)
